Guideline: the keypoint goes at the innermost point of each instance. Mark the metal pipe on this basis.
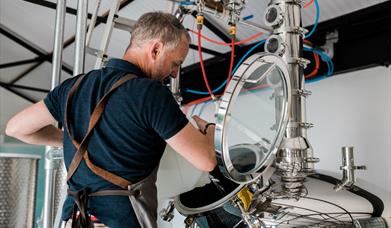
(47, 216)
(295, 157)
(293, 52)
(50, 163)
(174, 88)
(80, 39)
(58, 42)
(107, 34)
(180, 14)
(92, 22)
(348, 168)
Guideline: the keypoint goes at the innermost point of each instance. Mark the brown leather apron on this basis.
(142, 195)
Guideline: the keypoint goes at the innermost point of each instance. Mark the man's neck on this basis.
(137, 58)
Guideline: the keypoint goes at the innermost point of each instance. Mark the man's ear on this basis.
(156, 49)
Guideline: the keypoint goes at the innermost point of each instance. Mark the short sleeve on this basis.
(55, 99)
(163, 112)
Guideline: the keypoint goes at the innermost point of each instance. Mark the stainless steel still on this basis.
(18, 182)
(294, 159)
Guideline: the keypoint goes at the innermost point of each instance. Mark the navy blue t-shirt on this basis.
(128, 140)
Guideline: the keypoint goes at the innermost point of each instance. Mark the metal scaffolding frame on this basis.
(53, 5)
(30, 46)
(42, 54)
(351, 62)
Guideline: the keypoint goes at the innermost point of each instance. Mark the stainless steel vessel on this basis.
(18, 181)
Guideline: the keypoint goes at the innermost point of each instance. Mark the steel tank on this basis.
(18, 182)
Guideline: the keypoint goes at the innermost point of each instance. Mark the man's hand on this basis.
(200, 123)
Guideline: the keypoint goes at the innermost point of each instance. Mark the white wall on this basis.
(352, 109)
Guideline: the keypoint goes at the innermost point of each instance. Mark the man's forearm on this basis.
(49, 135)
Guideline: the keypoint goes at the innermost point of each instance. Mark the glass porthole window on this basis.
(252, 117)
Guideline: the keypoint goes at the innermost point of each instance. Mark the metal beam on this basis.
(24, 87)
(20, 94)
(21, 62)
(22, 41)
(53, 5)
(68, 42)
(32, 47)
(24, 73)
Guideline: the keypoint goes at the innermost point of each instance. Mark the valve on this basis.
(348, 168)
(167, 214)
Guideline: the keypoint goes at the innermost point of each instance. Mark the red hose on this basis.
(202, 65)
(232, 61)
(317, 62)
(308, 3)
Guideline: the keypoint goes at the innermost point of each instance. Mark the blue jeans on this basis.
(227, 215)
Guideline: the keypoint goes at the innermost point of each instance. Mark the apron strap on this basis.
(81, 204)
(81, 198)
(116, 193)
(81, 151)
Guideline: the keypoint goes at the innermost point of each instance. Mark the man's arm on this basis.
(34, 125)
(194, 146)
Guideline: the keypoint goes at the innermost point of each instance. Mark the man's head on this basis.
(158, 45)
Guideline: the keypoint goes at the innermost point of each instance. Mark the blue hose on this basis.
(187, 3)
(331, 68)
(327, 60)
(316, 20)
(233, 71)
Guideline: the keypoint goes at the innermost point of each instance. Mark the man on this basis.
(119, 148)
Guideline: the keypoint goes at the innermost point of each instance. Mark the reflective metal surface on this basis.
(348, 168)
(50, 164)
(377, 222)
(273, 16)
(18, 180)
(80, 39)
(294, 159)
(60, 188)
(54, 165)
(252, 117)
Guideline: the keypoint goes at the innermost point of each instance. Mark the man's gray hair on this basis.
(158, 25)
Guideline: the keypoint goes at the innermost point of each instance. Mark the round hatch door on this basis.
(252, 117)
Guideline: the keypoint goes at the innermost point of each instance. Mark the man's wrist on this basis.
(205, 130)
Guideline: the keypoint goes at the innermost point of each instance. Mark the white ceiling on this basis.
(36, 24)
